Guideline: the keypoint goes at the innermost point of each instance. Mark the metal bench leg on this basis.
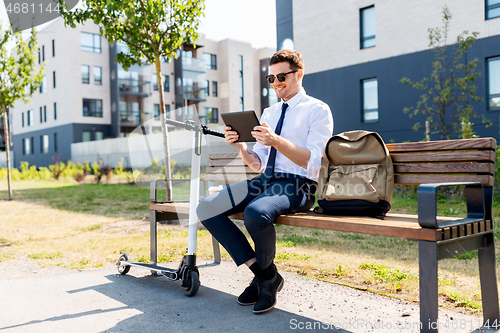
(216, 246)
(488, 278)
(152, 235)
(428, 266)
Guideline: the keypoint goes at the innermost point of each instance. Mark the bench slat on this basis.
(225, 162)
(217, 156)
(230, 170)
(461, 144)
(228, 177)
(458, 156)
(403, 179)
(487, 168)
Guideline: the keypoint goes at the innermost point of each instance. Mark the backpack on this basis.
(356, 176)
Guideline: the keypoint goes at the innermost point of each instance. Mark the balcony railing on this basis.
(195, 93)
(130, 86)
(130, 117)
(194, 64)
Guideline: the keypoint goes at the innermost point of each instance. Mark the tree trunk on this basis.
(7, 152)
(166, 149)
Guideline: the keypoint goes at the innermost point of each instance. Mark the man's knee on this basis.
(256, 218)
(203, 209)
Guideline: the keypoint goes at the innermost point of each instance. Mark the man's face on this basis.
(292, 84)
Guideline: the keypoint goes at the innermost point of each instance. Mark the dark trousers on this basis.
(260, 203)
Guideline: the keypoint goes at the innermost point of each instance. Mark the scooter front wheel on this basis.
(193, 284)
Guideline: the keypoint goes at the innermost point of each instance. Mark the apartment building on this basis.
(86, 96)
(356, 53)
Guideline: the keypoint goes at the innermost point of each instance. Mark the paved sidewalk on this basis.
(101, 300)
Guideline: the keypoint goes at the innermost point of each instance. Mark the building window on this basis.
(43, 86)
(369, 90)
(157, 110)
(85, 136)
(214, 88)
(210, 60)
(45, 113)
(32, 146)
(99, 135)
(90, 42)
(31, 118)
(207, 87)
(55, 142)
(492, 8)
(41, 114)
(98, 75)
(44, 144)
(92, 107)
(166, 82)
(212, 115)
(22, 119)
(54, 78)
(55, 111)
(53, 48)
(43, 52)
(240, 58)
(494, 83)
(26, 146)
(85, 74)
(39, 56)
(367, 26)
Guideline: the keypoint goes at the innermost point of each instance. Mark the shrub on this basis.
(58, 167)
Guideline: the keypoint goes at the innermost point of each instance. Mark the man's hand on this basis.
(231, 137)
(265, 135)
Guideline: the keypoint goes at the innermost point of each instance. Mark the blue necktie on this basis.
(272, 155)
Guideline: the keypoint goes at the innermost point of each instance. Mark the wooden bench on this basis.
(469, 162)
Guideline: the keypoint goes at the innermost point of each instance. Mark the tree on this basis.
(19, 78)
(450, 91)
(151, 29)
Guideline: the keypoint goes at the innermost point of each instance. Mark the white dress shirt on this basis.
(308, 124)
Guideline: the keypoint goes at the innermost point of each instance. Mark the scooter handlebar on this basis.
(191, 127)
(207, 130)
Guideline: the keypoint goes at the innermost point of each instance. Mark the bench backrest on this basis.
(464, 160)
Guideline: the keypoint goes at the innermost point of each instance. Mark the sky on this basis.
(249, 21)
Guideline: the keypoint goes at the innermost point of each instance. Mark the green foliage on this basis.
(101, 170)
(151, 28)
(448, 95)
(20, 76)
(45, 255)
(382, 273)
(287, 256)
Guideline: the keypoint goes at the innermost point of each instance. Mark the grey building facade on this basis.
(357, 52)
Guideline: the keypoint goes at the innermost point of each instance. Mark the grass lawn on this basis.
(87, 225)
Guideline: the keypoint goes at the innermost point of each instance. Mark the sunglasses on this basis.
(281, 76)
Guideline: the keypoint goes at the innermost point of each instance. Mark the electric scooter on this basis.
(187, 271)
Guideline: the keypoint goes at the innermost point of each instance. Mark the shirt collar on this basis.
(295, 99)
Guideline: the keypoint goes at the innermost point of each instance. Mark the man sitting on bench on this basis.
(290, 143)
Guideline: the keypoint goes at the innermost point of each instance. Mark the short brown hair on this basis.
(292, 57)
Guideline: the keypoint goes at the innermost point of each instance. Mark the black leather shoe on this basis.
(250, 295)
(267, 293)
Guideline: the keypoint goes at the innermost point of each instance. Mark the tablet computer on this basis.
(242, 122)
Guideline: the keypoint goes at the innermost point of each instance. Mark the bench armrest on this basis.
(153, 188)
(427, 204)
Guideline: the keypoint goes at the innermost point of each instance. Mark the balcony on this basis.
(194, 65)
(134, 87)
(194, 93)
(130, 118)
